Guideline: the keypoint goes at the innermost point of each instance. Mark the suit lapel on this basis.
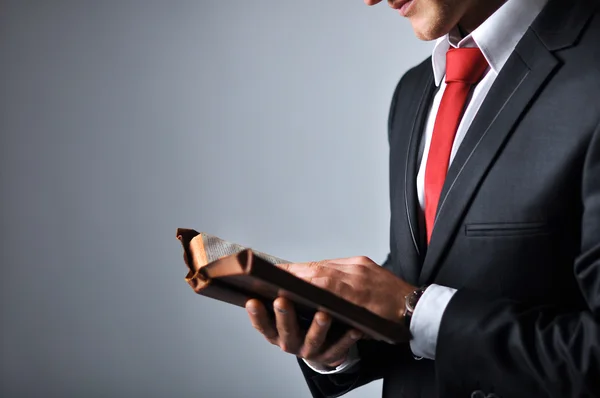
(411, 200)
(407, 117)
(524, 74)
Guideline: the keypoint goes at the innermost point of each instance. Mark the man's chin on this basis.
(426, 31)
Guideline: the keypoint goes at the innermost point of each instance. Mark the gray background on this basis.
(263, 122)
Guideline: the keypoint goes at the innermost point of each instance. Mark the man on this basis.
(494, 262)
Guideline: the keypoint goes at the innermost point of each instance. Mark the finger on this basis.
(337, 353)
(343, 263)
(341, 270)
(301, 268)
(308, 271)
(350, 260)
(350, 265)
(328, 278)
(315, 336)
(336, 286)
(287, 326)
(261, 321)
(372, 2)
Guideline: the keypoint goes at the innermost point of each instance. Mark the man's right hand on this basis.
(286, 334)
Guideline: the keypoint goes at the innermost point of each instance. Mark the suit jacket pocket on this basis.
(506, 229)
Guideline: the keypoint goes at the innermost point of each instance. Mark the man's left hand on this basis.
(360, 281)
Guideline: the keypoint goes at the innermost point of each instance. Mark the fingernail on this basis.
(354, 335)
(252, 310)
(281, 310)
(321, 322)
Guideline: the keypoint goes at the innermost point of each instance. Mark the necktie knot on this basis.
(465, 65)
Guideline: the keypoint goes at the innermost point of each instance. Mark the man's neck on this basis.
(462, 32)
(477, 14)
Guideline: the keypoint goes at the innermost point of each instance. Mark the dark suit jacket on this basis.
(517, 231)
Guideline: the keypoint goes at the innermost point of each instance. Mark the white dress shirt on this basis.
(497, 38)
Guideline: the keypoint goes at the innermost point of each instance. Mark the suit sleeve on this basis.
(510, 349)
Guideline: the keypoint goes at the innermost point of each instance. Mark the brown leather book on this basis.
(236, 278)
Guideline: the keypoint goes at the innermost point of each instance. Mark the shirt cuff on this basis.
(350, 361)
(427, 318)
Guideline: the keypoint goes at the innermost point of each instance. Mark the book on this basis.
(234, 274)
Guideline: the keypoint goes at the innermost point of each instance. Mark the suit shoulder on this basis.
(414, 76)
(417, 73)
(413, 79)
(585, 54)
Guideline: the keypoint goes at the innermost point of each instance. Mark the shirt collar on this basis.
(496, 37)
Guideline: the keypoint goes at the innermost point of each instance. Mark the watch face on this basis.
(412, 301)
(413, 298)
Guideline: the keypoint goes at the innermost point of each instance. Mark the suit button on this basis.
(492, 395)
(478, 394)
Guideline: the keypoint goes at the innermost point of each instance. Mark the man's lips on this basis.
(402, 6)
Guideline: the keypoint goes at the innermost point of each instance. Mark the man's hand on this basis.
(360, 281)
(286, 334)
(356, 279)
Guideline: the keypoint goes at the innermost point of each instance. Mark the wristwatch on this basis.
(410, 302)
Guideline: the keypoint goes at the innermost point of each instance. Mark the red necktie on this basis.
(464, 68)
